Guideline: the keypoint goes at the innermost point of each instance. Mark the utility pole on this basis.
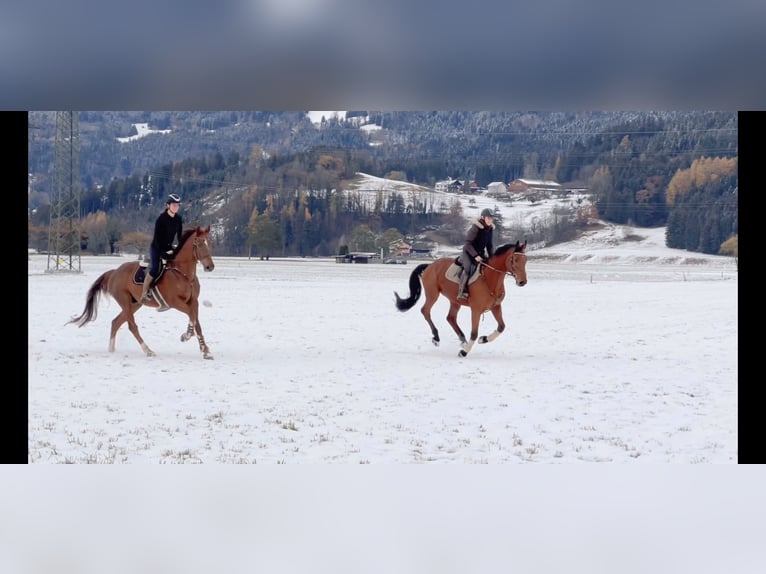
(30, 127)
(64, 229)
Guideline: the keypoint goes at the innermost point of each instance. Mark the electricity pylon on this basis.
(64, 229)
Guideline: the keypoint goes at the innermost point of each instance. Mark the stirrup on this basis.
(162, 308)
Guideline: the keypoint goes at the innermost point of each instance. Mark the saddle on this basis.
(140, 275)
(456, 269)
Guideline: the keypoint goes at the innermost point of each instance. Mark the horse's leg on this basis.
(202, 344)
(431, 298)
(116, 324)
(194, 327)
(454, 307)
(127, 316)
(497, 313)
(475, 316)
(189, 333)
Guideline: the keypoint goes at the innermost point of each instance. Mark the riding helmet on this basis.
(173, 198)
(487, 212)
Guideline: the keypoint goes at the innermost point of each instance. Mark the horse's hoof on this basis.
(483, 339)
(462, 353)
(435, 342)
(207, 357)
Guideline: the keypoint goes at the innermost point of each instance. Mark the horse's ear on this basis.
(208, 229)
(523, 247)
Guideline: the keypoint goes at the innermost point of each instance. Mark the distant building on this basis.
(496, 188)
(474, 188)
(456, 186)
(359, 257)
(400, 248)
(530, 185)
(449, 186)
(423, 248)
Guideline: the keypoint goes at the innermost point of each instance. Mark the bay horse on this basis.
(486, 291)
(177, 284)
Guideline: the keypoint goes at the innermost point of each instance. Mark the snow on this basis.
(316, 116)
(519, 212)
(607, 243)
(615, 351)
(606, 414)
(143, 131)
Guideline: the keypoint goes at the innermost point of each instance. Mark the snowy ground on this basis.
(614, 352)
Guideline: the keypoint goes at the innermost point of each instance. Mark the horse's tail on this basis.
(415, 289)
(91, 301)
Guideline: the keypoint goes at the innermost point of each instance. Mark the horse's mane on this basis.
(503, 248)
(185, 234)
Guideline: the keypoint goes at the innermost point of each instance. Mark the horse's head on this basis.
(516, 263)
(203, 252)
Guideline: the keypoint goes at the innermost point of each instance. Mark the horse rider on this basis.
(478, 247)
(167, 227)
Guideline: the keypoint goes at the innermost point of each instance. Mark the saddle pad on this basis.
(453, 273)
(142, 270)
(139, 275)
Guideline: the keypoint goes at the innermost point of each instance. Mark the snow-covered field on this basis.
(619, 350)
(614, 352)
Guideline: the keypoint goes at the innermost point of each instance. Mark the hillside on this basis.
(603, 243)
(609, 244)
(490, 145)
(243, 161)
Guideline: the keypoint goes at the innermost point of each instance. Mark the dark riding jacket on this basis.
(166, 229)
(478, 240)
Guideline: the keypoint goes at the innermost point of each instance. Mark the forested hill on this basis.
(427, 146)
(645, 168)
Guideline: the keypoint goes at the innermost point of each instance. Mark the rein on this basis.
(511, 273)
(195, 258)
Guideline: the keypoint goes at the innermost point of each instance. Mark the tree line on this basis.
(649, 171)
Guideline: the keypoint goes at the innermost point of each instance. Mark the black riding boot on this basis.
(462, 290)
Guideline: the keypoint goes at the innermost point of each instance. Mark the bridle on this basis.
(510, 267)
(195, 257)
(195, 246)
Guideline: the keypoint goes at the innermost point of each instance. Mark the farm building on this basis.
(529, 185)
(370, 257)
(399, 248)
(496, 188)
(449, 186)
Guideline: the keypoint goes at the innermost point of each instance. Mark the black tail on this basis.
(415, 289)
(91, 302)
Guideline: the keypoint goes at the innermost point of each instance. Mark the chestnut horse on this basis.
(486, 291)
(177, 284)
